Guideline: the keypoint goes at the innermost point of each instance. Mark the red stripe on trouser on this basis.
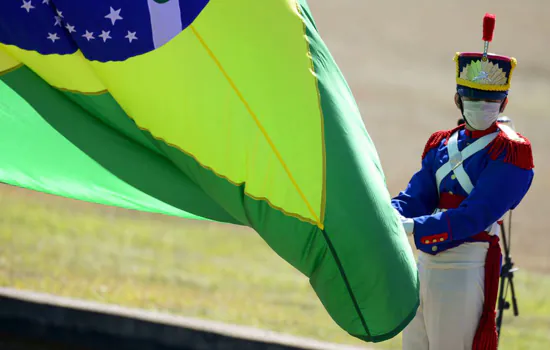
(486, 337)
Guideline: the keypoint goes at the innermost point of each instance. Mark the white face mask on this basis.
(481, 114)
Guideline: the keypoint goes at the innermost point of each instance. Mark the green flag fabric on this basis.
(229, 111)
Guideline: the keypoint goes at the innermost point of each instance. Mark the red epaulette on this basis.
(517, 147)
(437, 137)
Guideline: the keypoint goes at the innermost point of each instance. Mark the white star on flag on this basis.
(105, 35)
(131, 36)
(47, 2)
(27, 5)
(70, 28)
(113, 15)
(53, 37)
(59, 13)
(57, 21)
(88, 35)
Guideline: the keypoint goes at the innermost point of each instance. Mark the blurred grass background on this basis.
(397, 58)
(197, 269)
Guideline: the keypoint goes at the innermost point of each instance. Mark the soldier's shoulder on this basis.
(512, 147)
(435, 139)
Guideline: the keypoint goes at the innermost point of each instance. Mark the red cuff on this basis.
(441, 237)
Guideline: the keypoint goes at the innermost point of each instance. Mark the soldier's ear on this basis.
(503, 105)
(458, 101)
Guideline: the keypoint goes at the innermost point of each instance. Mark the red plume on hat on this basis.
(488, 26)
(489, 21)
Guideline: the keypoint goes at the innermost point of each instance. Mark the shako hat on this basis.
(484, 75)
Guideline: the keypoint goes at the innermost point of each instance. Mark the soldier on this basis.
(470, 177)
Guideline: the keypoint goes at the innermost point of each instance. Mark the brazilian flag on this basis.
(230, 111)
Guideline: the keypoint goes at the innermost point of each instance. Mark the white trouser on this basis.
(451, 299)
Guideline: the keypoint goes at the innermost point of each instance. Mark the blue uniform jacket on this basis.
(501, 173)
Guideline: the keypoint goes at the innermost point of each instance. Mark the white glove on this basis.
(408, 224)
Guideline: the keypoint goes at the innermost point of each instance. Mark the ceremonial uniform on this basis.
(468, 180)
